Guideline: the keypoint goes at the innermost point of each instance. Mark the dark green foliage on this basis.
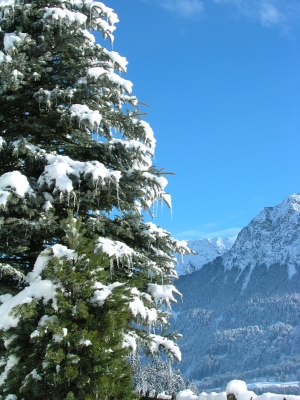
(71, 136)
(75, 348)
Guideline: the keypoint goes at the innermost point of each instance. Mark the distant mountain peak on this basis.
(206, 251)
(272, 237)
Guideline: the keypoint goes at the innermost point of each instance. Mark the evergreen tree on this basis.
(72, 137)
(157, 377)
(71, 345)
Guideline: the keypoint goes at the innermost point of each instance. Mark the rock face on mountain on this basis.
(240, 314)
(206, 250)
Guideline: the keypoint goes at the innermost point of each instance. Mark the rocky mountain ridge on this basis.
(240, 313)
(206, 250)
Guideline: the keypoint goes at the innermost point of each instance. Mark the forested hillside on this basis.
(243, 322)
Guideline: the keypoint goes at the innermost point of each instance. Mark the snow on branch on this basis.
(7, 269)
(10, 39)
(115, 250)
(116, 59)
(163, 293)
(39, 289)
(85, 115)
(169, 347)
(134, 145)
(100, 73)
(139, 309)
(148, 132)
(181, 247)
(64, 16)
(22, 145)
(10, 363)
(130, 339)
(13, 182)
(153, 231)
(102, 292)
(60, 168)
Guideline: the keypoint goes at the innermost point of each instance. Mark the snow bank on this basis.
(238, 389)
(186, 395)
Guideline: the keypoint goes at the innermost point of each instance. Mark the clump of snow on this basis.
(138, 308)
(2, 141)
(170, 347)
(163, 293)
(100, 72)
(34, 334)
(73, 358)
(85, 342)
(37, 289)
(41, 289)
(14, 181)
(5, 297)
(163, 395)
(5, 57)
(35, 375)
(10, 270)
(10, 363)
(45, 319)
(88, 35)
(85, 115)
(130, 340)
(151, 230)
(11, 38)
(65, 16)
(60, 168)
(11, 397)
(58, 250)
(115, 250)
(186, 394)
(102, 292)
(236, 387)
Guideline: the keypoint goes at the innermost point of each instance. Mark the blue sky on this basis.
(222, 80)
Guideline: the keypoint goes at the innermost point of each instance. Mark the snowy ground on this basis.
(240, 390)
(271, 383)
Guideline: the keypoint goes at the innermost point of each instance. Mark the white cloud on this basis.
(270, 13)
(185, 8)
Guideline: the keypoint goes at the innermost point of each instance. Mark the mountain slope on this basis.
(206, 250)
(240, 313)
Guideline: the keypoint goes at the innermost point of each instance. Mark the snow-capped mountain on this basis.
(206, 250)
(273, 237)
(240, 313)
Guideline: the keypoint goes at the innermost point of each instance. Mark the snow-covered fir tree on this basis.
(84, 278)
(159, 376)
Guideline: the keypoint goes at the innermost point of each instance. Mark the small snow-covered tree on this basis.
(71, 137)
